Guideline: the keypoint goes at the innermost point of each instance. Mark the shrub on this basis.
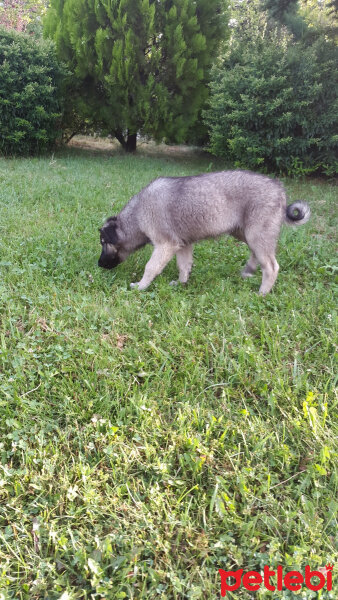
(30, 93)
(273, 106)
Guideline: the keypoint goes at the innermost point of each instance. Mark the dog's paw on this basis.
(134, 285)
(173, 282)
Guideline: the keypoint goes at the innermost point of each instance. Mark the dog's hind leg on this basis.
(250, 266)
(155, 265)
(263, 247)
(270, 269)
(184, 263)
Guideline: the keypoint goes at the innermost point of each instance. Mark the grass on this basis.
(149, 439)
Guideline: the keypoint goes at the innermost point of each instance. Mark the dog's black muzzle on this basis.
(108, 262)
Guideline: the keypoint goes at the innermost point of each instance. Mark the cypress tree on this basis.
(140, 66)
(280, 8)
(286, 12)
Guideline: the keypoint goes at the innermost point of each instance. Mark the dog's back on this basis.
(208, 205)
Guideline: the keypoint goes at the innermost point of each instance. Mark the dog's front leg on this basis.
(155, 265)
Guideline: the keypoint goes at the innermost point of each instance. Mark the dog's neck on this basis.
(132, 236)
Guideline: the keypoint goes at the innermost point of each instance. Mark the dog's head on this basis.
(112, 253)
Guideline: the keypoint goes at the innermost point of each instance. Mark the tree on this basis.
(305, 18)
(334, 6)
(280, 8)
(21, 15)
(140, 66)
(321, 17)
(286, 12)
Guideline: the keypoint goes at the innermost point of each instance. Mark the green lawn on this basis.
(149, 438)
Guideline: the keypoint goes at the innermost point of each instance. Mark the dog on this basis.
(172, 213)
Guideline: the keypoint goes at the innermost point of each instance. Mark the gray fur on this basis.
(173, 213)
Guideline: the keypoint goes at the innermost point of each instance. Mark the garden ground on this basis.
(148, 439)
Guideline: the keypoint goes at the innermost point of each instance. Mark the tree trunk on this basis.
(120, 138)
(70, 137)
(129, 144)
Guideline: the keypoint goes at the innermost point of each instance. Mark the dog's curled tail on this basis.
(297, 213)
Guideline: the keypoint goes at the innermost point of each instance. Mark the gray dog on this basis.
(172, 213)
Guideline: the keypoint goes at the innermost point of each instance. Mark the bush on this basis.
(273, 106)
(30, 93)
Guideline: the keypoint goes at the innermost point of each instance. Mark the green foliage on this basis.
(139, 66)
(30, 91)
(279, 8)
(283, 11)
(22, 15)
(333, 5)
(303, 18)
(320, 17)
(273, 104)
(149, 439)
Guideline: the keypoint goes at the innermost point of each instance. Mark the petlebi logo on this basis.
(276, 580)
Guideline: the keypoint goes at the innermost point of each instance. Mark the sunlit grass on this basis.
(148, 439)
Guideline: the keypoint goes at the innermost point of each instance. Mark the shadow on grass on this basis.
(82, 146)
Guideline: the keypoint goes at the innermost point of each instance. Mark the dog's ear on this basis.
(108, 231)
